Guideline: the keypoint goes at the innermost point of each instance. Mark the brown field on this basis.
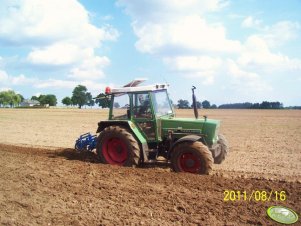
(43, 181)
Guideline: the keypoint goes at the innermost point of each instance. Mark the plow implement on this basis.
(86, 142)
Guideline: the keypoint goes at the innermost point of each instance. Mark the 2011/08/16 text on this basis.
(255, 195)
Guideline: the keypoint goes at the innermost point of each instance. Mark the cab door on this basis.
(143, 116)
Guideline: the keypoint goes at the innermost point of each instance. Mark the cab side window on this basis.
(121, 107)
(141, 106)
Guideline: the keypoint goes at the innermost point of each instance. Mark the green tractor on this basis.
(142, 126)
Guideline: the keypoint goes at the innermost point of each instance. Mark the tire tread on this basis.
(135, 150)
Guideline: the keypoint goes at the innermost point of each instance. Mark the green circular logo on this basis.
(282, 214)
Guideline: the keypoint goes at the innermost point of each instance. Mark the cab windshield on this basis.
(162, 105)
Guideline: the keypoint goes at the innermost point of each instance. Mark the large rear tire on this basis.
(117, 146)
(224, 149)
(192, 157)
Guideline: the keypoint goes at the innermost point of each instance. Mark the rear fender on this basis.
(132, 127)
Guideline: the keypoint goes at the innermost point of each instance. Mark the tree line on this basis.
(81, 97)
(11, 99)
(184, 104)
(48, 99)
(247, 105)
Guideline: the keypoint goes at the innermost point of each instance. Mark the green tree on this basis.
(90, 101)
(277, 105)
(1, 99)
(4, 98)
(16, 100)
(206, 104)
(21, 97)
(67, 101)
(51, 99)
(42, 99)
(48, 99)
(35, 98)
(103, 100)
(265, 105)
(79, 96)
(9, 98)
(213, 106)
(198, 105)
(183, 104)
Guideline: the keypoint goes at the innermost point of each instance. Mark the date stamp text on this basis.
(254, 195)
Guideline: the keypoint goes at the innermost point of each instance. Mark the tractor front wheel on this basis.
(192, 157)
(117, 146)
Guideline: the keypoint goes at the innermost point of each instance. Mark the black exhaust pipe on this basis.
(195, 109)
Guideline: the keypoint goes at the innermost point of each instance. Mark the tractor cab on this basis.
(144, 106)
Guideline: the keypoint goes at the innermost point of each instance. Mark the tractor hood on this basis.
(185, 126)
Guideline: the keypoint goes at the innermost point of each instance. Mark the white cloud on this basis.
(245, 82)
(196, 66)
(91, 68)
(8, 80)
(94, 87)
(21, 80)
(144, 11)
(55, 83)
(250, 22)
(107, 17)
(32, 22)
(194, 63)
(1, 62)
(5, 89)
(276, 34)
(179, 33)
(280, 33)
(177, 27)
(3, 76)
(59, 32)
(256, 52)
(235, 71)
(58, 54)
(183, 36)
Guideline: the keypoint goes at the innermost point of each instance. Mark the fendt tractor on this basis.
(142, 126)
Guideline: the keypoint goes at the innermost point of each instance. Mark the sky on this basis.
(232, 51)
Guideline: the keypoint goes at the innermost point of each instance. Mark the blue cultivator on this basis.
(86, 142)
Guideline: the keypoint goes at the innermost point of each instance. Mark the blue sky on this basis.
(232, 51)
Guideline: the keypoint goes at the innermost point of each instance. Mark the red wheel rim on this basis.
(115, 151)
(188, 162)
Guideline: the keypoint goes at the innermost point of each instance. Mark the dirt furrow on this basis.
(62, 187)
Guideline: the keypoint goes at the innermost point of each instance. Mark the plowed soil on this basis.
(43, 181)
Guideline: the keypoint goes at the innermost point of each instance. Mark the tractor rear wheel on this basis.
(117, 146)
(224, 149)
(192, 157)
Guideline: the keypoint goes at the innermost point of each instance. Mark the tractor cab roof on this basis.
(136, 89)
